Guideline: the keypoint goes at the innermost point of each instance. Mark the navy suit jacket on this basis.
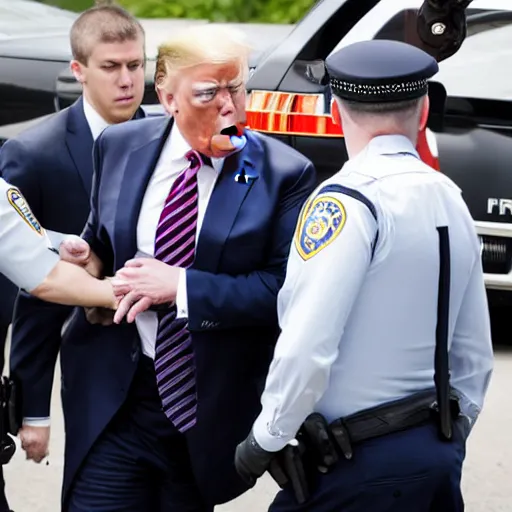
(232, 289)
(52, 165)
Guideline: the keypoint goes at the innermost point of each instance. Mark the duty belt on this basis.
(418, 409)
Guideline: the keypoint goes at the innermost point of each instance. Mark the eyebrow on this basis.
(117, 62)
(214, 85)
(205, 85)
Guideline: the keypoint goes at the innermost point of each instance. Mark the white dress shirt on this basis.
(359, 331)
(171, 163)
(96, 123)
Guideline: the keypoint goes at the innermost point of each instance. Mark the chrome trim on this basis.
(494, 228)
(501, 282)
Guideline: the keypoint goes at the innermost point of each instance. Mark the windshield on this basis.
(481, 68)
(20, 17)
(478, 70)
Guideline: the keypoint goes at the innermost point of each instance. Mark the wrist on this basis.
(110, 301)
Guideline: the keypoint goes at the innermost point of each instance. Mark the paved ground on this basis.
(487, 476)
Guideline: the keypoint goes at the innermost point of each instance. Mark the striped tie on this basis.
(174, 245)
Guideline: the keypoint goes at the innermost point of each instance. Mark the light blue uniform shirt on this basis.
(358, 327)
(25, 258)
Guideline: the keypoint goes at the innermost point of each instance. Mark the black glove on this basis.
(251, 460)
(441, 26)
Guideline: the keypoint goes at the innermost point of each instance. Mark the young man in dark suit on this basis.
(51, 164)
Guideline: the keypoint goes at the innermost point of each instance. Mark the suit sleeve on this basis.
(92, 232)
(36, 325)
(227, 301)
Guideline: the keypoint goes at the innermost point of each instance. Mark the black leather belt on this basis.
(416, 410)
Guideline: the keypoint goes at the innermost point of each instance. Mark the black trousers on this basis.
(408, 471)
(141, 462)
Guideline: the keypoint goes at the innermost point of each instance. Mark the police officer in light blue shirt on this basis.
(385, 354)
(28, 258)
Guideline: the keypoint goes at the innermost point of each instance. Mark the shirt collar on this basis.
(178, 147)
(96, 123)
(391, 145)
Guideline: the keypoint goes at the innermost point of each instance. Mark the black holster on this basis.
(288, 468)
(9, 419)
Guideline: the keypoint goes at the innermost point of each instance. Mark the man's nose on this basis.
(227, 106)
(125, 78)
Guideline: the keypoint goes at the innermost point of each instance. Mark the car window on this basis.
(24, 17)
(479, 69)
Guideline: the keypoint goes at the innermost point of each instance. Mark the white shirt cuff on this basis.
(181, 295)
(271, 442)
(36, 422)
(57, 238)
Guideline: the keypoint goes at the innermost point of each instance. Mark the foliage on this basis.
(251, 11)
(264, 11)
(70, 5)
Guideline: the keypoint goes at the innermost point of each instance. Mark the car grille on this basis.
(496, 254)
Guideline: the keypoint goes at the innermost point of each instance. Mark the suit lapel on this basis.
(138, 171)
(79, 142)
(238, 176)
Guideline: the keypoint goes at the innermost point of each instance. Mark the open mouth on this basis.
(230, 130)
(234, 129)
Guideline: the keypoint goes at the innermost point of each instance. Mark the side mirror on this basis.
(437, 96)
(67, 89)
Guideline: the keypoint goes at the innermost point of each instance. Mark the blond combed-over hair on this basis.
(201, 44)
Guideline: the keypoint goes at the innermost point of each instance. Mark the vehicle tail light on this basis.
(290, 114)
(427, 148)
(286, 113)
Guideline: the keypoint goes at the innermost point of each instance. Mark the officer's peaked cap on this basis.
(380, 71)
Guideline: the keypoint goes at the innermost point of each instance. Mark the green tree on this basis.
(262, 11)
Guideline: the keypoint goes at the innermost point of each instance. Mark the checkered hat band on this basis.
(405, 89)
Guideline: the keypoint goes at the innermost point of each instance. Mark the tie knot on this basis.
(197, 159)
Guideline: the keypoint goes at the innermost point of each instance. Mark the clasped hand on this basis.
(140, 284)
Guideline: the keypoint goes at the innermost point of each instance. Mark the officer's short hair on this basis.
(201, 44)
(102, 24)
(393, 107)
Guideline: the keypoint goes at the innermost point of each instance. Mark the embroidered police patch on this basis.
(18, 202)
(320, 224)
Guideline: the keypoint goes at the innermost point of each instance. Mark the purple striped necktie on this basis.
(175, 245)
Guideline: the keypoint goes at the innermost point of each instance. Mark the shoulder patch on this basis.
(17, 201)
(321, 222)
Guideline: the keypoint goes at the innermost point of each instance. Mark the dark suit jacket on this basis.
(51, 163)
(232, 288)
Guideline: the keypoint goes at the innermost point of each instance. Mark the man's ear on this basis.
(77, 70)
(425, 109)
(167, 101)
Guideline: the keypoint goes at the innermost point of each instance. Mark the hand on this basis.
(77, 251)
(35, 441)
(251, 460)
(142, 283)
